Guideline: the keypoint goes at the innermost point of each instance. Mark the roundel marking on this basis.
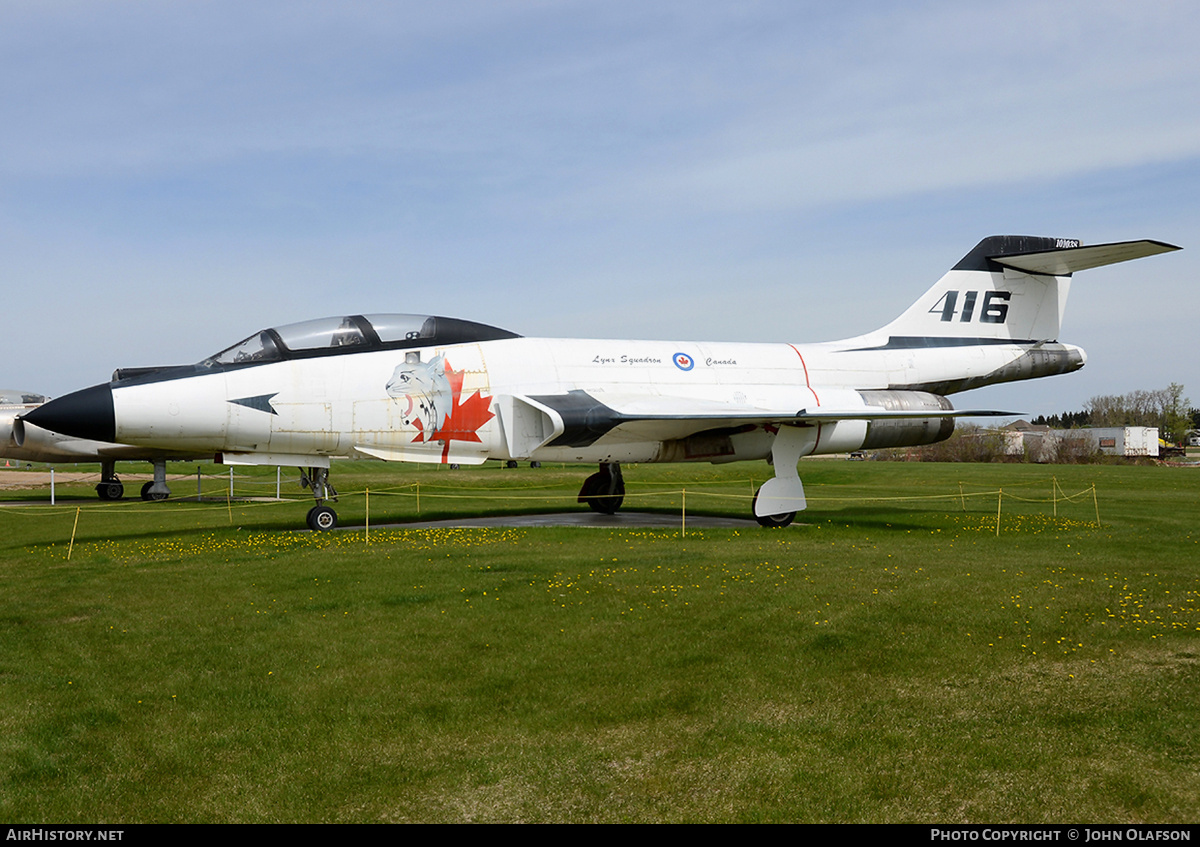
(683, 361)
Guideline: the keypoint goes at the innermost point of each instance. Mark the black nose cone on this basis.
(80, 414)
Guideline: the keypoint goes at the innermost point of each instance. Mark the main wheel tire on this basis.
(110, 490)
(775, 521)
(594, 494)
(771, 521)
(321, 518)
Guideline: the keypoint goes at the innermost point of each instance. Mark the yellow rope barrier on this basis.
(961, 497)
(560, 496)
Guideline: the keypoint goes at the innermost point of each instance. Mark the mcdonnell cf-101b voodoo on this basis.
(431, 389)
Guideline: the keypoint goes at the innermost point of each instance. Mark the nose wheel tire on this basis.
(321, 518)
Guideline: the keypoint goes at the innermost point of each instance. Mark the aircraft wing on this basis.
(578, 419)
(871, 414)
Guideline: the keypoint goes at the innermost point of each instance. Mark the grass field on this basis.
(891, 658)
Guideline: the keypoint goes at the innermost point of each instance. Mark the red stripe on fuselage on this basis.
(807, 384)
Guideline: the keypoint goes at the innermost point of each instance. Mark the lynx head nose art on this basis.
(425, 389)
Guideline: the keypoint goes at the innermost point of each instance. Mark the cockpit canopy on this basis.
(329, 336)
(10, 397)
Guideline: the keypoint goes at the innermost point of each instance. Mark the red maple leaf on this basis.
(465, 416)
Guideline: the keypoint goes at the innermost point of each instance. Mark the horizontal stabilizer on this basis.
(1068, 260)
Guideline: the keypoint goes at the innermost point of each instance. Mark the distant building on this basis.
(1041, 442)
(1026, 426)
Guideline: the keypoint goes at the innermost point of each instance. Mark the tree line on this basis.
(1165, 408)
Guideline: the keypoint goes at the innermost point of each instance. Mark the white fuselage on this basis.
(350, 404)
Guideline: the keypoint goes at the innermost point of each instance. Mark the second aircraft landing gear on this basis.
(157, 490)
(109, 487)
(604, 491)
(320, 516)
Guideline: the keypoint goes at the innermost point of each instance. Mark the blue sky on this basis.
(176, 175)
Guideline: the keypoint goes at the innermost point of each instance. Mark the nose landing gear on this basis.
(320, 516)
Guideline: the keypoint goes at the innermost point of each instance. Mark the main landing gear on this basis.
(783, 495)
(777, 521)
(320, 516)
(604, 491)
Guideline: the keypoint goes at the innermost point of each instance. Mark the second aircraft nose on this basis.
(87, 413)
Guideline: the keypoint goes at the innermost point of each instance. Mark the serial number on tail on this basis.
(993, 310)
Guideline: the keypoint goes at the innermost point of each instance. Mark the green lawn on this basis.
(890, 657)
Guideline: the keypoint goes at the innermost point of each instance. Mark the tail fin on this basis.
(1010, 288)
